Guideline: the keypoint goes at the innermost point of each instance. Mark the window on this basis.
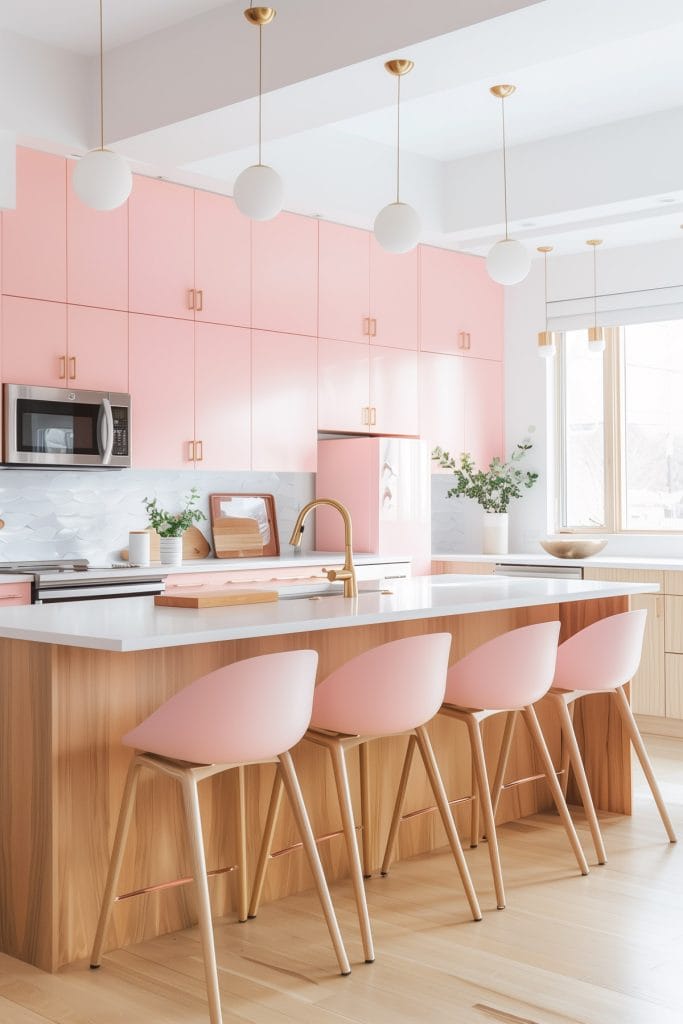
(620, 418)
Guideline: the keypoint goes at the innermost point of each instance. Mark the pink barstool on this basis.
(506, 675)
(390, 690)
(251, 712)
(602, 658)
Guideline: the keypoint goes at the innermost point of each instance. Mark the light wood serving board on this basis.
(215, 598)
(236, 537)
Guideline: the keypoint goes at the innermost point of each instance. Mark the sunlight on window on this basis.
(584, 434)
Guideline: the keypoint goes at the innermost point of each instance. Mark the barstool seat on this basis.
(251, 712)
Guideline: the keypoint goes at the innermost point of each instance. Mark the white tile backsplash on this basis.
(88, 513)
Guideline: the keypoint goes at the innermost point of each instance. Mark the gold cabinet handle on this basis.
(200, 300)
(462, 339)
(72, 367)
(366, 415)
(469, 340)
(373, 416)
(190, 451)
(200, 450)
(373, 327)
(366, 325)
(62, 367)
(191, 298)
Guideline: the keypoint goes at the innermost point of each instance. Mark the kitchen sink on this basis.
(326, 590)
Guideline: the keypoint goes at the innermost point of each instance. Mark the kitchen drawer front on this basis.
(674, 686)
(625, 576)
(14, 593)
(464, 568)
(674, 624)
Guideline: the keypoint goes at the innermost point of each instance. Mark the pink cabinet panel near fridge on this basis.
(461, 308)
(483, 391)
(161, 233)
(284, 402)
(34, 234)
(344, 286)
(223, 396)
(162, 391)
(97, 349)
(343, 386)
(285, 274)
(34, 342)
(442, 403)
(222, 261)
(394, 391)
(393, 297)
(97, 253)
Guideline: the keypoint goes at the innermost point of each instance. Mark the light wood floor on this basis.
(606, 949)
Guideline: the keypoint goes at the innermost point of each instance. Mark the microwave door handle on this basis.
(106, 431)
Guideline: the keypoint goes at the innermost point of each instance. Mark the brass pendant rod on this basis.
(505, 172)
(101, 81)
(545, 277)
(398, 136)
(595, 286)
(260, 87)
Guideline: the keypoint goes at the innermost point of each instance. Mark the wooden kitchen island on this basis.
(75, 677)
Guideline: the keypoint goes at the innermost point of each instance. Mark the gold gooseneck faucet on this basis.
(347, 574)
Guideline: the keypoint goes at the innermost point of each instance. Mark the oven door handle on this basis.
(106, 432)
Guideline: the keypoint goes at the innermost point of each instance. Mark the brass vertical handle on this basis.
(373, 416)
(72, 367)
(190, 451)
(366, 415)
(200, 300)
(469, 340)
(62, 367)
(373, 327)
(462, 339)
(199, 445)
(191, 296)
(366, 325)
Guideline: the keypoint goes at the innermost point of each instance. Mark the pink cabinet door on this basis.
(483, 387)
(97, 349)
(222, 261)
(343, 386)
(14, 593)
(393, 391)
(344, 283)
(393, 297)
(33, 342)
(34, 235)
(222, 397)
(161, 248)
(442, 412)
(284, 407)
(162, 392)
(97, 253)
(461, 308)
(285, 274)
(483, 306)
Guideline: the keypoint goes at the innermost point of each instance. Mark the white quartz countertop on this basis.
(595, 562)
(137, 624)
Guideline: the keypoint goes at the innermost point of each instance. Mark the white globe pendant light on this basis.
(258, 190)
(596, 335)
(397, 226)
(102, 179)
(508, 261)
(546, 338)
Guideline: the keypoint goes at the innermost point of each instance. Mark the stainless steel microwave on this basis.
(61, 427)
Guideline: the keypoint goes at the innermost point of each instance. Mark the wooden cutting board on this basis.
(237, 537)
(214, 598)
(195, 545)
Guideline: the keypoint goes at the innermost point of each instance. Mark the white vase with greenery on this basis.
(492, 488)
(172, 525)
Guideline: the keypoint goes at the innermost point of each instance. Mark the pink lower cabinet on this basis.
(393, 391)
(34, 342)
(222, 397)
(285, 274)
(483, 407)
(97, 253)
(284, 403)
(393, 298)
(442, 403)
(162, 390)
(14, 593)
(97, 349)
(343, 386)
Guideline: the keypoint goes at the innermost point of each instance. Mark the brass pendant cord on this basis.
(398, 136)
(505, 171)
(595, 287)
(545, 287)
(260, 87)
(101, 81)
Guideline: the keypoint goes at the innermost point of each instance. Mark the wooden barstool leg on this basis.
(534, 728)
(341, 779)
(291, 783)
(436, 782)
(122, 827)
(194, 831)
(398, 805)
(241, 837)
(479, 759)
(631, 727)
(503, 758)
(566, 755)
(570, 744)
(365, 817)
(475, 827)
(266, 843)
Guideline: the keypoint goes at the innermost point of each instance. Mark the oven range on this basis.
(60, 580)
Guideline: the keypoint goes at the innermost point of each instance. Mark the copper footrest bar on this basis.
(530, 778)
(172, 885)
(319, 839)
(427, 810)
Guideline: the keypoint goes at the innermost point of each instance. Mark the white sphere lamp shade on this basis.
(508, 262)
(102, 179)
(258, 192)
(397, 228)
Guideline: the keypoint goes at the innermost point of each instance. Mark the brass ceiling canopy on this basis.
(502, 91)
(399, 66)
(594, 241)
(260, 16)
(544, 248)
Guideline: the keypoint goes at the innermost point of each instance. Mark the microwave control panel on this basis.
(120, 417)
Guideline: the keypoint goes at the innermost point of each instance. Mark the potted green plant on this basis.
(493, 488)
(172, 525)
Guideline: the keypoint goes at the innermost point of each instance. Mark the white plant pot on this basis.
(495, 533)
(171, 550)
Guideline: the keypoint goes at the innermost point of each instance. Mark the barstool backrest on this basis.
(604, 655)
(389, 689)
(251, 710)
(511, 671)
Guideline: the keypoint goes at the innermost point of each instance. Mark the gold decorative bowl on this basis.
(573, 547)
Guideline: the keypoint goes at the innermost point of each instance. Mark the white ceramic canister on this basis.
(138, 547)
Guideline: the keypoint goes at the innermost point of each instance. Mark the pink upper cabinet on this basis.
(442, 408)
(393, 391)
(161, 248)
(34, 235)
(97, 349)
(461, 308)
(34, 342)
(343, 387)
(222, 261)
(284, 413)
(344, 284)
(393, 297)
(285, 274)
(483, 390)
(162, 391)
(97, 253)
(222, 397)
